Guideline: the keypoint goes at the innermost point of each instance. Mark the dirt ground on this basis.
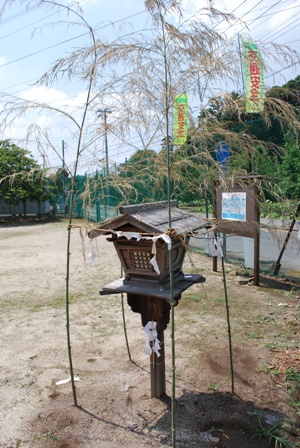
(113, 393)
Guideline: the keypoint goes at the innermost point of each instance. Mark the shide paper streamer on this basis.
(92, 254)
(213, 245)
(59, 383)
(152, 342)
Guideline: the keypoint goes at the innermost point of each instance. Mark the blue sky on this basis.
(32, 38)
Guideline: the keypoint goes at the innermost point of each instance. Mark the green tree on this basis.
(289, 92)
(290, 169)
(21, 178)
(141, 177)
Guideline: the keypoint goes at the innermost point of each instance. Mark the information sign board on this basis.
(234, 206)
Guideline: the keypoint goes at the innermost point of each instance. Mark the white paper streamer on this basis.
(213, 245)
(139, 237)
(218, 245)
(207, 243)
(92, 254)
(152, 343)
(153, 261)
(163, 236)
(76, 378)
(129, 235)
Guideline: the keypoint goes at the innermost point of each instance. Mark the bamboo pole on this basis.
(68, 319)
(228, 326)
(169, 194)
(124, 321)
(79, 150)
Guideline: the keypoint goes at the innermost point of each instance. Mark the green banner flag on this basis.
(253, 77)
(180, 119)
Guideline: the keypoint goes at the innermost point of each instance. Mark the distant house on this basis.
(29, 208)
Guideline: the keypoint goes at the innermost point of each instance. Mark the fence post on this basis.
(98, 211)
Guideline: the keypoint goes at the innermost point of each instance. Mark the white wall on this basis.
(31, 208)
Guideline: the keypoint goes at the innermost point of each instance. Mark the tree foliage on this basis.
(289, 169)
(21, 178)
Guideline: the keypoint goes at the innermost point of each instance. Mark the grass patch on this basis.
(196, 298)
(293, 374)
(218, 299)
(275, 433)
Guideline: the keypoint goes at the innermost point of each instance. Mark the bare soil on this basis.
(113, 394)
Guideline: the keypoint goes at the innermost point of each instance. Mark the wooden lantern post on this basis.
(153, 304)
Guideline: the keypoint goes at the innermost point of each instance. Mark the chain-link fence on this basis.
(95, 212)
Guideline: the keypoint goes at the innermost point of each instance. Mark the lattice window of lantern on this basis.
(141, 260)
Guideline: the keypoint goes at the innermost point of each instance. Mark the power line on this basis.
(271, 33)
(251, 9)
(282, 70)
(263, 14)
(290, 29)
(18, 14)
(41, 51)
(27, 26)
(72, 38)
(280, 11)
(244, 1)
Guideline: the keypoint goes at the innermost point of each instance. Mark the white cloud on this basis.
(44, 95)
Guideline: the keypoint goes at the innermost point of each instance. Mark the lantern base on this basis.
(145, 287)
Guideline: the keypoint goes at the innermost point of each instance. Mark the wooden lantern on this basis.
(142, 239)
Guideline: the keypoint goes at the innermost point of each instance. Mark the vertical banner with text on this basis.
(253, 77)
(180, 119)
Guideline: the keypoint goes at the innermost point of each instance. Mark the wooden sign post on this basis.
(236, 209)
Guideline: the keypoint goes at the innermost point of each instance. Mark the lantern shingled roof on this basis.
(151, 217)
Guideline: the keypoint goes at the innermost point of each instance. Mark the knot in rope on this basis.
(172, 233)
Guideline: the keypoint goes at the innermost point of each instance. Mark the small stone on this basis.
(209, 439)
(271, 419)
(133, 426)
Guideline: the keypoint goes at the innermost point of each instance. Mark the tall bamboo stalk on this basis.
(124, 321)
(169, 193)
(228, 326)
(68, 318)
(124, 326)
(72, 203)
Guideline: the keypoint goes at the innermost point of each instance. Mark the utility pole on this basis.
(103, 113)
